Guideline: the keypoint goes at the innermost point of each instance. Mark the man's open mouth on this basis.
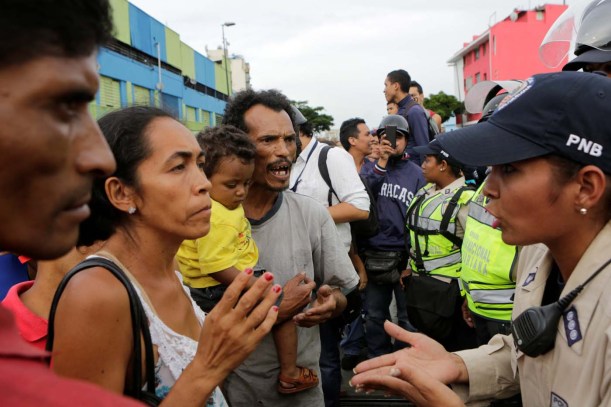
(280, 170)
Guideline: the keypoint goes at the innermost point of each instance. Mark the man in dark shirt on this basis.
(396, 89)
(394, 180)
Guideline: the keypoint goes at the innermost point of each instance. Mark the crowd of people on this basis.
(252, 263)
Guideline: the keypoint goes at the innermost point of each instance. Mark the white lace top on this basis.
(175, 351)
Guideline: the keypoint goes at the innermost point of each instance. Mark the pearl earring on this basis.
(131, 210)
(583, 211)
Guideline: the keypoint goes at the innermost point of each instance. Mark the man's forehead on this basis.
(363, 128)
(260, 119)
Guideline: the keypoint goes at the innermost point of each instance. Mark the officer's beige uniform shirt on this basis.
(569, 375)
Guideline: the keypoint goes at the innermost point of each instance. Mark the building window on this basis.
(485, 76)
(494, 45)
(142, 96)
(218, 119)
(206, 118)
(190, 114)
(468, 83)
(484, 49)
(476, 53)
(110, 92)
(476, 78)
(540, 15)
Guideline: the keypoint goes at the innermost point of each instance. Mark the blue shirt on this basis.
(11, 273)
(394, 187)
(418, 122)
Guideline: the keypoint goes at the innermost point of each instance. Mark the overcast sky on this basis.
(336, 53)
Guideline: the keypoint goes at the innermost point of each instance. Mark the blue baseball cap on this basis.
(435, 148)
(563, 113)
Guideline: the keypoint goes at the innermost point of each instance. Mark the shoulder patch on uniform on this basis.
(557, 401)
(571, 326)
(529, 279)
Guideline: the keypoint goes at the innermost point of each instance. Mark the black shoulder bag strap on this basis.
(139, 327)
(414, 211)
(410, 104)
(324, 173)
(447, 215)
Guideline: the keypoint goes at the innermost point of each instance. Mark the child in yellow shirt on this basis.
(209, 264)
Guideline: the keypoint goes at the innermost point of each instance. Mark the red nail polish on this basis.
(269, 276)
(275, 308)
(277, 288)
(248, 271)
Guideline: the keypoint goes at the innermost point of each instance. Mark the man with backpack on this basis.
(355, 137)
(417, 93)
(396, 89)
(329, 176)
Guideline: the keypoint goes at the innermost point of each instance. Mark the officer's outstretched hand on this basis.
(411, 381)
(431, 356)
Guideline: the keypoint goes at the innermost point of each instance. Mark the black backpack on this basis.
(431, 125)
(360, 228)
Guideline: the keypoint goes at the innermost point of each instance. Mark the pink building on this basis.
(509, 49)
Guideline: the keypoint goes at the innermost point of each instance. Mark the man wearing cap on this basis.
(394, 180)
(396, 89)
(549, 184)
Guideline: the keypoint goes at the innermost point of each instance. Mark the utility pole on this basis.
(226, 24)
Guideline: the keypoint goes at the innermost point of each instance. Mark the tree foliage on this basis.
(319, 120)
(444, 105)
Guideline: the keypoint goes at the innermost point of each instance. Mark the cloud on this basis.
(336, 53)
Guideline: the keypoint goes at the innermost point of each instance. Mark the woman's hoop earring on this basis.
(583, 211)
(131, 210)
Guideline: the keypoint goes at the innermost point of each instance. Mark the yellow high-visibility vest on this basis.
(487, 264)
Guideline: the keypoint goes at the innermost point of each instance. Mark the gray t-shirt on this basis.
(297, 235)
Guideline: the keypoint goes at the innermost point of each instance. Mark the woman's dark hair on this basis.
(224, 141)
(125, 131)
(63, 28)
(454, 168)
(244, 100)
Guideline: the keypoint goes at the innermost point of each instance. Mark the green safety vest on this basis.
(487, 263)
(435, 248)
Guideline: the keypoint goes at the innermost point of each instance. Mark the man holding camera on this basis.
(394, 180)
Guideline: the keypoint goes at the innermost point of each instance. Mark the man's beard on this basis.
(276, 189)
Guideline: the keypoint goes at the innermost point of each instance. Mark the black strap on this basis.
(447, 215)
(324, 173)
(298, 179)
(414, 211)
(139, 327)
(410, 104)
(432, 130)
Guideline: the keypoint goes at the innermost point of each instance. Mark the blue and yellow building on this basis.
(147, 63)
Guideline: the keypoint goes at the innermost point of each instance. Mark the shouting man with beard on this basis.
(297, 240)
